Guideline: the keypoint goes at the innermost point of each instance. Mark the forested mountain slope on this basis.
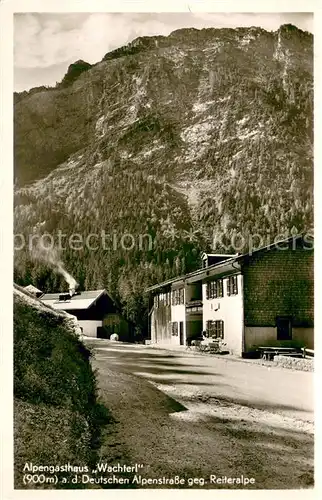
(191, 138)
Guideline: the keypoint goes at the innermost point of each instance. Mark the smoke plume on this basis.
(51, 256)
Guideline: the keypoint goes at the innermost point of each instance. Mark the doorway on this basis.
(284, 327)
(181, 333)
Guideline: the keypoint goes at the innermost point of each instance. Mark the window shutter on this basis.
(228, 286)
(207, 291)
(215, 283)
(222, 329)
(235, 285)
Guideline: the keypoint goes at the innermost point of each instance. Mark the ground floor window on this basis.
(174, 328)
(215, 329)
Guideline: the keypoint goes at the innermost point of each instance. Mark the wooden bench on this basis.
(293, 355)
(269, 352)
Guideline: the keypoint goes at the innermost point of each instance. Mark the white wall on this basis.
(229, 309)
(178, 313)
(89, 327)
(263, 335)
(259, 335)
(305, 335)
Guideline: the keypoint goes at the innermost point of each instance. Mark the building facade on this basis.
(279, 297)
(223, 310)
(96, 313)
(251, 300)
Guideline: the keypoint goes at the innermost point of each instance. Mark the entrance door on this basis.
(181, 333)
(284, 328)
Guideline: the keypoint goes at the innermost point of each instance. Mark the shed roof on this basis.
(81, 300)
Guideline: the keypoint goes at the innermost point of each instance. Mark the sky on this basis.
(46, 43)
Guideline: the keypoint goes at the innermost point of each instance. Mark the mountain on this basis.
(177, 144)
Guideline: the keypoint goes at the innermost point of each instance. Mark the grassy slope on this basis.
(57, 417)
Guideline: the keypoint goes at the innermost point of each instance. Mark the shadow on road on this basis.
(180, 436)
(167, 370)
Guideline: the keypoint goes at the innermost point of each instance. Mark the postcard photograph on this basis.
(163, 250)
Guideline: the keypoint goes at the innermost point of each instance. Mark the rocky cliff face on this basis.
(199, 134)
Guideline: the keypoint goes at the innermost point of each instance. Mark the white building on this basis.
(95, 311)
(258, 299)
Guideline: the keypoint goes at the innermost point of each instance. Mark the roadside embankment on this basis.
(57, 415)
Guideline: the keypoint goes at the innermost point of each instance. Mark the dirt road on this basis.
(210, 422)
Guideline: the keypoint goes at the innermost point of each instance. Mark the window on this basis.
(232, 285)
(174, 328)
(162, 299)
(215, 329)
(177, 296)
(215, 289)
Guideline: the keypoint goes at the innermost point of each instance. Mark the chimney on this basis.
(72, 289)
(63, 297)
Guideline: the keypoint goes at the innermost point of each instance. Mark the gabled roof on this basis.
(81, 300)
(195, 275)
(227, 265)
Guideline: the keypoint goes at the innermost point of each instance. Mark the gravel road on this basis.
(211, 422)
